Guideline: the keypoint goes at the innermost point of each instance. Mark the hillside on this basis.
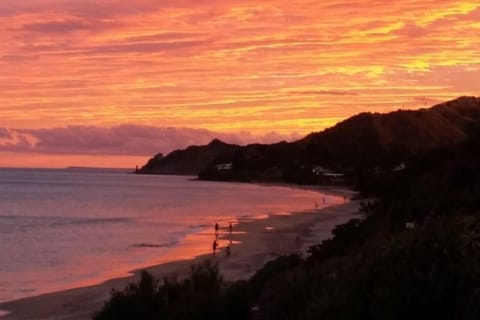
(189, 161)
(370, 138)
(366, 140)
(413, 253)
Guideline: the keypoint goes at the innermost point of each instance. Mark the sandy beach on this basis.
(253, 242)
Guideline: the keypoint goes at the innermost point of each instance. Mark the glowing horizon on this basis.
(246, 70)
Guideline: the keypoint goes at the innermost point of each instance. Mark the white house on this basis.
(319, 170)
(224, 166)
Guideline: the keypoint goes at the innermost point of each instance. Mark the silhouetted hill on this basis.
(373, 138)
(255, 162)
(363, 141)
(189, 161)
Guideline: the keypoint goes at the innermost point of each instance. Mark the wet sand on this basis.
(253, 242)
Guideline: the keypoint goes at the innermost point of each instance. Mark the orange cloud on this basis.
(244, 65)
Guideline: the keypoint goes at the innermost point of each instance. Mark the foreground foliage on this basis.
(414, 254)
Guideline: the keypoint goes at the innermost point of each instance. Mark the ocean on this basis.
(62, 229)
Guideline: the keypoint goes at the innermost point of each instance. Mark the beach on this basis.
(253, 242)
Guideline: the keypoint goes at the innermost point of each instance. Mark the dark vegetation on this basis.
(189, 161)
(414, 253)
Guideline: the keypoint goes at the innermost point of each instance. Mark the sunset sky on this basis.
(111, 82)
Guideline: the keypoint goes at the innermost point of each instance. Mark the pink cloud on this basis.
(126, 139)
(5, 134)
(55, 26)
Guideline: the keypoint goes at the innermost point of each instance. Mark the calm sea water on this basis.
(61, 229)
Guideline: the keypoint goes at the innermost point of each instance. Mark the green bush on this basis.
(196, 297)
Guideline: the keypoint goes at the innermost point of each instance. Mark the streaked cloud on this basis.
(230, 66)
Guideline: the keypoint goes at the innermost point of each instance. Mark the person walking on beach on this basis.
(214, 246)
(230, 227)
(228, 251)
(216, 227)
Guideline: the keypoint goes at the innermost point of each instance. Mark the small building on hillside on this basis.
(224, 166)
(319, 170)
(329, 175)
(402, 166)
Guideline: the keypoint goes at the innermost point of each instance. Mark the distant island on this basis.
(367, 142)
(97, 169)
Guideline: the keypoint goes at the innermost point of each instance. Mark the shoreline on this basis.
(336, 190)
(253, 243)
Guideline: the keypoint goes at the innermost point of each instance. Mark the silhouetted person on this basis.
(230, 227)
(228, 251)
(216, 227)
(214, 246)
